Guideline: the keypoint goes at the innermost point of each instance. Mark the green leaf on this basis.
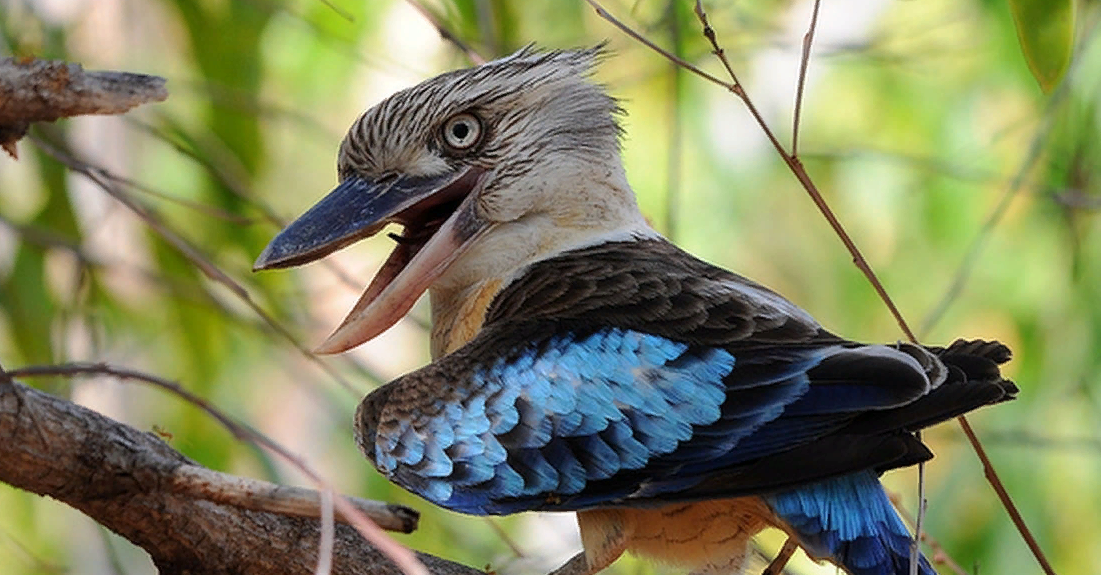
(1046, 31)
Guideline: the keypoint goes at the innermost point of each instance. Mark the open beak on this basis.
(440, 223)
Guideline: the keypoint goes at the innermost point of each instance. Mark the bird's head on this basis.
(487, 169)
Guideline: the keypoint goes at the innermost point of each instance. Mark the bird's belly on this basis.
(703, 536)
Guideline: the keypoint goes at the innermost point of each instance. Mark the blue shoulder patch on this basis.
(543, 422)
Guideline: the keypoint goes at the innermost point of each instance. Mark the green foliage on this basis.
(921, 123)
(1046, 31)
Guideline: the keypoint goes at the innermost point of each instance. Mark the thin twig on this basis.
(39, 564)
(680, 62)
(257, 495)
(1019, 181)
(676, 129)
(346, 15)
(963, 272)
(190, 252)
(371, 532)
(995, 482)
(800, 172)
(804, 62)
(919, 523)
(797, 168)
(782, 558)
(198, 207)
(446, 33)
(938, 556)
(504, 536)
(225, 174)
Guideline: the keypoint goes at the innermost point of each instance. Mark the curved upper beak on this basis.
(359, 208)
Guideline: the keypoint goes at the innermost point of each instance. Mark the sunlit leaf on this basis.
(1046, 31)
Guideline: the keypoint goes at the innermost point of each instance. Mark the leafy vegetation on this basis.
(973, 194)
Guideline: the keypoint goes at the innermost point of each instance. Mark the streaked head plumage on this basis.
(488, 169)
(530, 102)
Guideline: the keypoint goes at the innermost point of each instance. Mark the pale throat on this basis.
(601, 210)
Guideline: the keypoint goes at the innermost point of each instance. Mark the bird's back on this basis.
(633, 374)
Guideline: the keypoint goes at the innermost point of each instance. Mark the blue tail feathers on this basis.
(849, 520)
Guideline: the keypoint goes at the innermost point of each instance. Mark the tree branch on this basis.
(34, 90)
(129, 481)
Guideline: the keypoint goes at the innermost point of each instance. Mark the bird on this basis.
(583, 363)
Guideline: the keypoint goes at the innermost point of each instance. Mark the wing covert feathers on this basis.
(632, 374)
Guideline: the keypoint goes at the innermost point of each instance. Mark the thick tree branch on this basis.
(34, 90)
(129, 481)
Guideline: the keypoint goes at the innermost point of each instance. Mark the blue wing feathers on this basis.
(849, 519)
(632, 453)
(574, 411)
(554, 418)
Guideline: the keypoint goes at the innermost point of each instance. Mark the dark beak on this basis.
(441, 222)
(356, 209)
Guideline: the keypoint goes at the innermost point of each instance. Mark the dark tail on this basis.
(848, 519)
(972, 380)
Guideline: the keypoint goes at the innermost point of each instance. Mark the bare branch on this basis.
(919, 524)
(939, 555)
(368, 529)
(1003, 495)
(33, 90)
(782, 558)
(190, 252)
(123, 479)
(804, 61)
(797, 168)
(800, 172)
(446, 33)
(246, 493)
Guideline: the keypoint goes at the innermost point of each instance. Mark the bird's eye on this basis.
(462, 131)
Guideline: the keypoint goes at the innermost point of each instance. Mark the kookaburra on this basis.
(583, 363)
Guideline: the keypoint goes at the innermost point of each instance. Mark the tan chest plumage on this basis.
(708, 536)
(451, 331)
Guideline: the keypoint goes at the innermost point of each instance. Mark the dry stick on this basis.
(371, 532)
(676, 129)
(338, 10)
(509, 542)
(796, 166)
(964, 271)
(940, 556)
(447, 34)
(207, 484)
(782, 558)
(858, 259)
(222, 174)
(915, 546)
(804, 62)
(152, 219)
(198, 207)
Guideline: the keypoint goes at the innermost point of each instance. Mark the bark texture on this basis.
(123, 479)
(33, 90)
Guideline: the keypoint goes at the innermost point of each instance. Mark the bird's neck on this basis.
(458, 315)
(459, 309)
(595, 207)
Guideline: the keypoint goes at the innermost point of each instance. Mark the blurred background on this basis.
(973, 194)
